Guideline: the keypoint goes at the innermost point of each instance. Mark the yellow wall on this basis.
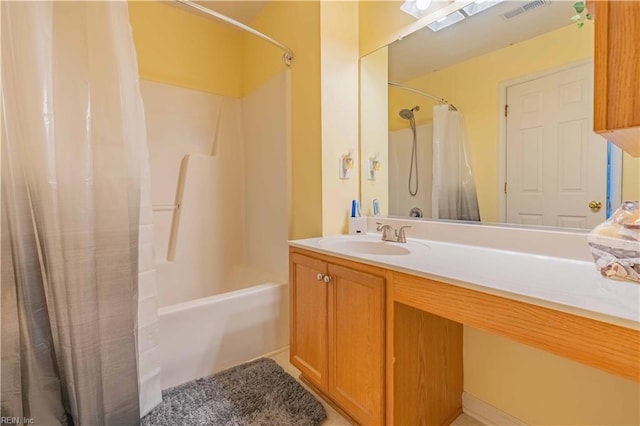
(178, 47)
(630, 178)
(540, 388)
(340, 114)
(532, 385)
(324, 38)
(374, 130)
(473, 87)
(379, 24)
(297, 25)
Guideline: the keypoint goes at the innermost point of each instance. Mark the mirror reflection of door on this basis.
(558, 170)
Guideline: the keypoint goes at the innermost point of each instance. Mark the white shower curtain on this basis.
(77, 261)
(454, 191)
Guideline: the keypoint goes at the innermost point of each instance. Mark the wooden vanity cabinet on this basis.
(617, 73)
(308, 304)
(337, 331)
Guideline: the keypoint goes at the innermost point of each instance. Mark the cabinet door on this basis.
(356, 337)
(308, 318)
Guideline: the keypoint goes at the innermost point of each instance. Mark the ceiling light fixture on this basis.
(416, 8)
(423, 4)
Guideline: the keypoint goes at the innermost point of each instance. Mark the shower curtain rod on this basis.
(287, 56)
(425, 94)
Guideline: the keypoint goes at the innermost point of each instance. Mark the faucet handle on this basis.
(402, 238)
(388, 233)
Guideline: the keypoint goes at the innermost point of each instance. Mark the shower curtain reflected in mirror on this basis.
(453, 193)
(75, 191)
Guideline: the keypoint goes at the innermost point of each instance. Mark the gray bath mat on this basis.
(256, 393)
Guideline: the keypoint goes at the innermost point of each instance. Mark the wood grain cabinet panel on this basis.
(428, 368)
(617, 73)
(605, 346)
(356, 342)
(308, 338)
(337, 332)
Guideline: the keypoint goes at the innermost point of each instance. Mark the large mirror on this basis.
(533, 162)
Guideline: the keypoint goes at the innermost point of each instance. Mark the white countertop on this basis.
(566, 285)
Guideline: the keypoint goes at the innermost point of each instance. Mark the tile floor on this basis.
(333, 417)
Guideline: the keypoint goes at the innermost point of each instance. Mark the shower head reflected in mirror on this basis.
(407, 114)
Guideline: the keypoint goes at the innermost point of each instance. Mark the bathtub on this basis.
(200, 337)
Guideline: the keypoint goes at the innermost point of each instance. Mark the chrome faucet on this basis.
(390, 234)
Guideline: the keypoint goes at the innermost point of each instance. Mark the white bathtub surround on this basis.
(201, 337)
(184, 127)
(225, 162)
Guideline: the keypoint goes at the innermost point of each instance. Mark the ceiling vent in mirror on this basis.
(524, 8)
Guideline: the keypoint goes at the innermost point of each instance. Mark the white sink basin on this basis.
(367, 245)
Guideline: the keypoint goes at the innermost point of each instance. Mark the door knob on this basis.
(319, 277)
(327, 279)
(595, 205)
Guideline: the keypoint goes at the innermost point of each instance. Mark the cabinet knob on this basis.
(327, 279)
(319, 277)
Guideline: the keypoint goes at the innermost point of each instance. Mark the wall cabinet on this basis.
(617, 73)
(337, 332)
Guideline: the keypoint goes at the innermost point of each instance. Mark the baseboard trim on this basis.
(272, 353)
(487, 413)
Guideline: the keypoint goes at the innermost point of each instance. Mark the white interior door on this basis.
(556, 164)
